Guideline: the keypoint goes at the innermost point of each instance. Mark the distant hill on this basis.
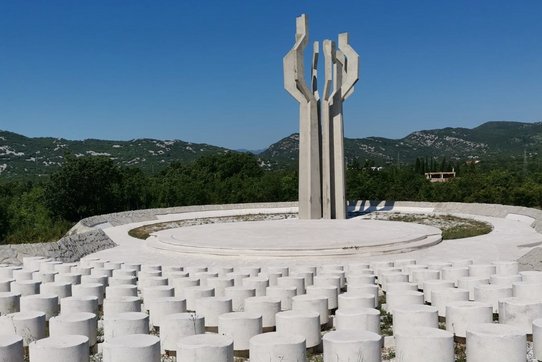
(22, 156)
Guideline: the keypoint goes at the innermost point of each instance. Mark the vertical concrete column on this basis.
(284, 293)
(352, 345)
(121, 305)
(211, 308)
(520, 313)
(125, 324)
(423, 344)
(268, 307)
(82, 324)
(177, 326)
(161, 308)
(306, 324)
(238, 296)
(87, 304)
(349, 301)
(506, 267)
(134, 348)
(205, 347)
(276, 346)
(469, 283)
(60, 349)
(241, 327)
(28, 325)
(11, 348)
(459, 315)
(9, 303)
(47, 304)
(441, 297)
(361, 318)
(537, 339)
(491, 294)
(414, 315)
(495, 342)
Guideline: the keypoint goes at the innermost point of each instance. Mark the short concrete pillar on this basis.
(430, 285)
(9, 303)
(238, 278)
(179, 284)
(6, 272)
(330, 267)
(72, 278)
(146, 277)
(121, 291)
(349, 301)
(252, 271)
(60, 348)
(284, 293)
(327, 280)
(459, 315)
(135, 266)
(155, 267)
(152, 282)
(101, 272)
(458, 263)
(5, 285)
(89, 290)
(491, 294)
(395, 277)
(268, 307)
(423, 344)
(22, 274)
(205, 347)
(356, 267)
(179, 325)
(220, 284)
(32, 262)
(336, 273)
(114, 265)
(307, 275)
(527, 290)
(469, 283)
(531, 276)
(224, 270)
(520, 313)
(495, 342)
(329, 291)
(312, 303)
(401, 287)
(83, 270)
(414, 315)
(482, 270)
(381, 264)
(352, 345)
(193, 294)
(276, 346)
(26, 287)
(411, 268)
(394, 299)
(203, 277)
(537, 339)
(44, 277)
(122, 281)
(161, 291)
(211, 308)
(364, 290)
(367, 319)
(123, 324)
(258, 284)
(241, 327)
(79, 304)
(167, 269)
(506, 280)
(134, 348)
(238, 296)
(506, 267)
(438, 265)
(120, 273)
(83, 324)
(441, 297)
(402, 263)
(306, 324)
(283, 270)
(117, 305)
(11, 348)
(62, 290)
(454, 274)
(47, 304)
(297, 282)
(95, 279)
(272, 277)
(423, 275)
(28, 325)
(360, 279)
(161, 308)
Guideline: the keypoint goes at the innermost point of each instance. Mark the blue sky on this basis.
(211, 71)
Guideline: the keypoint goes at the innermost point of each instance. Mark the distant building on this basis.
(440, 176)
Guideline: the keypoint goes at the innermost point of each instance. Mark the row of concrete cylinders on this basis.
(387, 277)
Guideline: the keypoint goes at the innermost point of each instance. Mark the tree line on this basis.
(44, 210)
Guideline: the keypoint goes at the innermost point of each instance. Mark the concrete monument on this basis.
(321, 132)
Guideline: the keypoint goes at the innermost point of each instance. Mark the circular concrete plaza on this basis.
(292, 237)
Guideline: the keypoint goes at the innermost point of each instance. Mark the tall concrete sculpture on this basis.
(322, 191)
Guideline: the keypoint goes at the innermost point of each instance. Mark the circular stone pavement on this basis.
(292, 237)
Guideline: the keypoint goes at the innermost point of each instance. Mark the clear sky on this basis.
(211, 71)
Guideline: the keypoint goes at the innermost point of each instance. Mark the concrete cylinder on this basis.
(306, 324)
(352, 345)
(238, 296)
(506, 267)
(284, 293)
(117, 305)
(60, 348)
(527, 290)
(469, 283)
(47, 304)
(22, 274)
(62, 290)
(258, 284)
(205, 347)
(11, 348)
(95, 279)
(152, 282)
(87, 304)
(327, 280)
(241, 327)
(364, 290)
(482, 270)
(454, 274)
(72, 278)
(203, 277)
(401, 263)
(122, 281)
(212, 307)
(238, 278)
(32, 262)
(459, 315)
(329, 291)
(423, 275)
(114, 265)
(441, 297)
(423, 344)
(135, 266)
(360, 279)
(153, 268)
(89, 290)
(161, 308)
(101, 272)
(520, 313)
(83, 324)
(401, 287)
(410, 269)
(297, 282)
(123, 324)
(430, 285)
(26, 287)
(349, 301)
(531, 276)
(491, 294)
(506, 280)
(458, 263)
(414, 315)
(313, 303)
(179, 325)
(394, 299)
(124, 273)
(355, 267)
(121, 291)
(272, 277)
(495, 342)
(145, 276)
(6, 272)
(283, 270)
(133, 348)
(220, 284)
(179, 284)
(65, 267)
(9, 303)
(268, 307)
(250, 270)
(393, 278)
(381, 264)
(193, 294)
(367, 319)
(5, 285)
(150, 293)
(276, 346)
(83, 270)
(224, 270)
(44, 277)
(307, 275)
(537, 339)
(30, 326)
